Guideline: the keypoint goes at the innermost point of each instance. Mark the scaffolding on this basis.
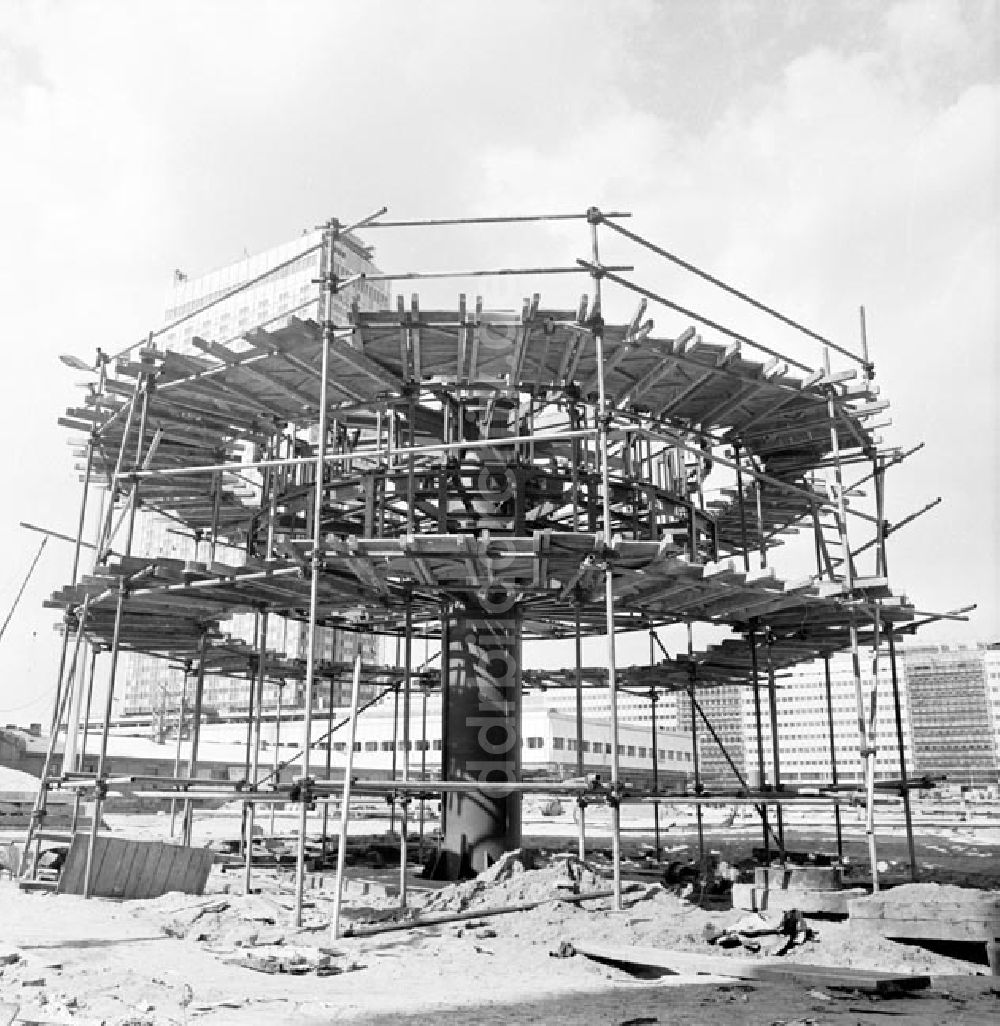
(377, 473)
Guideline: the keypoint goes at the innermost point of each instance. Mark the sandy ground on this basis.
(183, 959)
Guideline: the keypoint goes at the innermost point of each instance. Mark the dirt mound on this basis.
(514, 880)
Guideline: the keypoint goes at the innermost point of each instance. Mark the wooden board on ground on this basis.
(808, 902)
(686, 963)
(958, 914)
(135, 869)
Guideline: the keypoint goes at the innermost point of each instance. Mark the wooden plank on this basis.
(175, 868)
(676, 963)
(200, 871)
(71, 877)
(136, 886)
(974, 916)
(114, 864)
(133, 855)
(100, 854)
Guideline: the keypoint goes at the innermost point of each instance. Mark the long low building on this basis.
(548, 749)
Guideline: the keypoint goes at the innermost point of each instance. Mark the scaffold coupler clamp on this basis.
(100, 789)
(302, 791)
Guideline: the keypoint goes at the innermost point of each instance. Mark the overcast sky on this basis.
(821, 154)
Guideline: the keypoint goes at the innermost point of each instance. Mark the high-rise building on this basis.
(953, 706)
(723, 708)
(804, 723)
(280, 283)
(991, 666)
(949, 704)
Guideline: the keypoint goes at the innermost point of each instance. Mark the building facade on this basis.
(721, 747)
(287, 288)
(954, 692)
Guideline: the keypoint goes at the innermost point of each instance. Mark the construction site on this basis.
(479, 488)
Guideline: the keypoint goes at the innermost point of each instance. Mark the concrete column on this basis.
(481, 678)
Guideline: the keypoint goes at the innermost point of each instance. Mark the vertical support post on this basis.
(79, 674)
(276, 769)
(581, 802)
(758, 491)
(772, 703)
(330, 288)
(833, 758)
(251, 705)
(94, 650)
(216, 503)
(255, 751)
(134, 499)
(865, 750)
(177, 752)
(694, 748)
(81, 519)
(99, 785)
(743, 512)
(578, 651)
(761, 771)
(395, 739)
(574, 424)
(897, 709)
(423, 759)
(597, 323)
(327, 766)
(656, 764)
(345, 801)
(199, 694)
(405, 804)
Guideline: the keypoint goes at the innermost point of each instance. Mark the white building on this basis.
(288, 288)
(548, 744)
(803, 723)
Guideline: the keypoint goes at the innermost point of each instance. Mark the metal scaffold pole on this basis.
(772, 704)
(257, 682)
(581, 802)
(345, 801)
(695, 758)
(597, 326)
(866, 752)
(330, 283)
(901, 746)
(404, 805)
(834, 777)
(196, 713)
(653, 699)
(761, 769)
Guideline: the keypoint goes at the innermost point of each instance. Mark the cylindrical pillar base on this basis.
(481, 678)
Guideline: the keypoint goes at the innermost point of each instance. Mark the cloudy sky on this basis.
(821, 154)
